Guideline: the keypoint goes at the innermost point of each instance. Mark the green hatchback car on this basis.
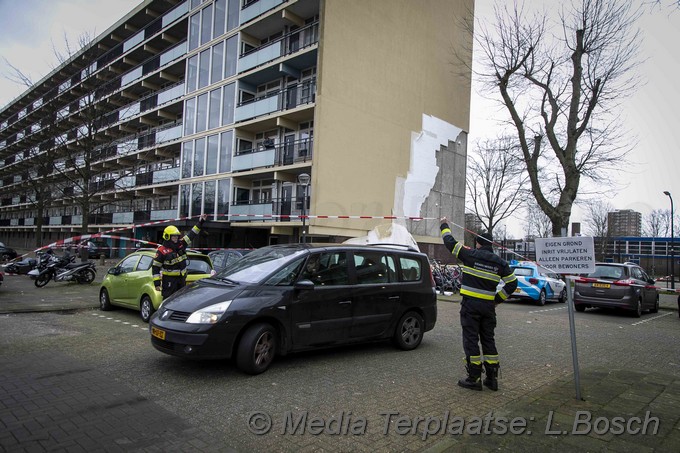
(129, 283)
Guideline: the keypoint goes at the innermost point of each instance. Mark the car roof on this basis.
(149, 251)
(325, 246)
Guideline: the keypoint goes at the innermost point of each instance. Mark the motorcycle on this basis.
(21, 267)
(60, 271)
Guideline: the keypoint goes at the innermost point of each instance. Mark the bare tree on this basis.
(495, 181)
(597, 214)
(561, 87)
(657, 223)
(76, 137)
(537, 223)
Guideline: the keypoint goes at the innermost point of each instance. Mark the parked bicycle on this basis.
(447, 277)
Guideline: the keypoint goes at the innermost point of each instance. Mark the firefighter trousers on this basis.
(171, 284)
(478, 320)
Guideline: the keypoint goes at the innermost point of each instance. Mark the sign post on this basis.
(568, 256)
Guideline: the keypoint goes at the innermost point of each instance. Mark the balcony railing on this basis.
(252, 9)
(281, 154)
(279, 209)
(286, 99)
(286, 45)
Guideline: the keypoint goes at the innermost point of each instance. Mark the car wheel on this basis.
(42, 280)
(5, 257)
(563, 296)
(409, 331)
(256, 349)
(541, 298)
(580, 308)
(637, 312)
(104, 300)
(86, 277)
(146, 308)
(655, 309)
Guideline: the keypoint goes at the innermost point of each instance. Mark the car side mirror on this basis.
(651, 281)
(304, 284)
(114, 271)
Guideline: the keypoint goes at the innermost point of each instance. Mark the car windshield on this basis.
(613, 272)
(198, 266)
(523, 271)
(258, 264)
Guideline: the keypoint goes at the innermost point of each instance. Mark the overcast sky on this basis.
(30, 28)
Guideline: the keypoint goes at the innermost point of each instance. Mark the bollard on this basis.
(101, 260)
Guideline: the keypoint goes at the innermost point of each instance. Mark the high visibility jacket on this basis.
(171, 257)
(483, 270)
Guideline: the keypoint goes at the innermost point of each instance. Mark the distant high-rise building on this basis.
(624, 222)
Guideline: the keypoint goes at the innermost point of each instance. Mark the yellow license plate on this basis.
(158, 333)
(601, 285)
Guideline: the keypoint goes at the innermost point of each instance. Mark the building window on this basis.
(220, 17)
(217, 63)
(194, 30)
(215, 108)
(231, 57)
(226, 144)
(228, 101)
(206, 24)
(211, 157)
(199, 156)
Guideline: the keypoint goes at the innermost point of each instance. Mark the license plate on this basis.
(601, 285)
(158, 333)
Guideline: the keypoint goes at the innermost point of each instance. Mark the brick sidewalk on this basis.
(50, 401)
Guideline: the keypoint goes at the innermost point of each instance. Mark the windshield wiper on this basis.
(227, 280)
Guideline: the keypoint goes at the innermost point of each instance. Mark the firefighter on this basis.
(483, 270)
(171, 258)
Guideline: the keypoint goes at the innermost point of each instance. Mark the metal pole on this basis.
(672, 246)
(572, 329)
(672, 241)
(304, 206)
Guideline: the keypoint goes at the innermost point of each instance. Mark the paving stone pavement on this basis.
(52, 402)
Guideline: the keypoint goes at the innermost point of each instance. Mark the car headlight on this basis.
(209, 315)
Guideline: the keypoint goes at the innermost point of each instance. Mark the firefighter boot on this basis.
(491, 379)
(473, 381)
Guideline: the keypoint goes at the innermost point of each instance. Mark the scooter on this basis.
(83, 273)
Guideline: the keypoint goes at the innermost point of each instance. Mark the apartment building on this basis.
(624, 222)
(277, 118)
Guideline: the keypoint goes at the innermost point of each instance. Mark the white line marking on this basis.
(651, 319)
(547, 309)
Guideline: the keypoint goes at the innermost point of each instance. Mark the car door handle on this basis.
(393, 298)
(344, 302)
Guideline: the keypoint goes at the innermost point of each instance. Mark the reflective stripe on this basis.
(157, 263)
(177, 260)
(446, 231)
(509, 278)
(491, 359)
(502, 294)
(478, 293)
(476, 359)
(481, 274)
(456, 248)
(175, 273)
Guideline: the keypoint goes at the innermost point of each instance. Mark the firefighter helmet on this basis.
(170, 231)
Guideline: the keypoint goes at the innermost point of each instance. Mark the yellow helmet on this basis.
(170, 231)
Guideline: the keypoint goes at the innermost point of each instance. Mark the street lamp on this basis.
(672, 242)
(303, 179)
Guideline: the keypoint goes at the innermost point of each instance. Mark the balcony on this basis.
(281, 154)
(286, 45)
(280, 209)
(256, 8)
(286, 99)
